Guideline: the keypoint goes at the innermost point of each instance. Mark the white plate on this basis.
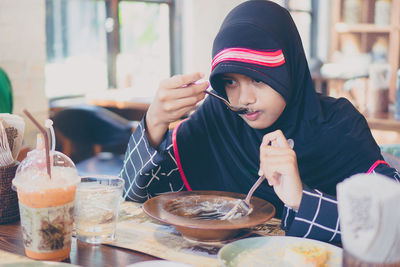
(269, 251)
(159, 263)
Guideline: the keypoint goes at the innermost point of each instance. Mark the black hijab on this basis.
(217, 150)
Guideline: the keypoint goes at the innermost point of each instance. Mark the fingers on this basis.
(277, 163)
(276, 139)
(178, 95)
(181, 80)
(188, 91)
(181, 105)
(274, 179)
(275, 148)
(182, 86)
(276, 157)
(275, 151)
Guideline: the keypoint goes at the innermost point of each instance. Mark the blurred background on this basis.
(111, 54)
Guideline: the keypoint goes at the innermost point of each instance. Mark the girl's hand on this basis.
(175, 97)
(278, 162)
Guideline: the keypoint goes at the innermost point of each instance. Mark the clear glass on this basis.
(97, 204)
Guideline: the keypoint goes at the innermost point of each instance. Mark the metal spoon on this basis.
(238, 110)
(243, 207)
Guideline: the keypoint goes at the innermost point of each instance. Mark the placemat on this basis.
(137, 231)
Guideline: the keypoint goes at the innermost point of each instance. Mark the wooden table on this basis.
(81, 253)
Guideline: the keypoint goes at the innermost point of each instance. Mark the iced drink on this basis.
(96, 208)
(46, 205)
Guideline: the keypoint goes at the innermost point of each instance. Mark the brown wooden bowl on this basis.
(164, 208)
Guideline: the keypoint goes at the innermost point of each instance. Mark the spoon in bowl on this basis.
(243, 207)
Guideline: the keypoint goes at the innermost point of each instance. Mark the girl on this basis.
(259, 64)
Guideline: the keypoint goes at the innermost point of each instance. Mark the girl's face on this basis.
(265, 104)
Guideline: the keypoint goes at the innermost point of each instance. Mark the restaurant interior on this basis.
(112, 55)
(94, 66)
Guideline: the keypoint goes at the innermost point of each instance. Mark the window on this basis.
(144, 56)
(93, 45)
(76, 47)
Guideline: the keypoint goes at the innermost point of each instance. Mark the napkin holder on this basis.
(9, 211)
(370, 227)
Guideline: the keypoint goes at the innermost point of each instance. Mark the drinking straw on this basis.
(46, 140)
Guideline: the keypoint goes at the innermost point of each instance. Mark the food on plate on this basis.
(307, 255)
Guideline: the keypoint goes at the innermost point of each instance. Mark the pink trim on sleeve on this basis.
(178, 160)
(376, 164)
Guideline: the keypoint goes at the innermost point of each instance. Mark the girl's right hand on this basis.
(175, 97)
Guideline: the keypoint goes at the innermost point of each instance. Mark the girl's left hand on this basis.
(278, 162)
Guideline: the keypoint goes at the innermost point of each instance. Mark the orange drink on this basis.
(48, 235)
(46, 206)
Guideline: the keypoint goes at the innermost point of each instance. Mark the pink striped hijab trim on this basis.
(376, 164)
(263, 58)
(177, 158)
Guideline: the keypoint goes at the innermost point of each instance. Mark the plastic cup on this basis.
(46, 205)
(96, 208)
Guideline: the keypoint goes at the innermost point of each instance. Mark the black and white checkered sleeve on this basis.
(388, 171)
(148, 171)
(317, 217)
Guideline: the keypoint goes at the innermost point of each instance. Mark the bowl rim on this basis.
(262, 211)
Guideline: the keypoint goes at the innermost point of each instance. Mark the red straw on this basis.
(46, 140)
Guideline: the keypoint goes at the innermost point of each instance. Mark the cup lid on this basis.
(32, 175)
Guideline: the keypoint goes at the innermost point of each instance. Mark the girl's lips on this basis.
(252, 116)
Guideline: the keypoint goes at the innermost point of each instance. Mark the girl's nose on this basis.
(247, 95)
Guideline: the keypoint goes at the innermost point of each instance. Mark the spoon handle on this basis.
(261, 179)
(238, 110)
(253, 188)
(217, 96)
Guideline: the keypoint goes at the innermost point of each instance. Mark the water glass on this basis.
(96, 208)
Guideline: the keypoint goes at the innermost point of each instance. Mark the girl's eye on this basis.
(257, 81)
(228, 82)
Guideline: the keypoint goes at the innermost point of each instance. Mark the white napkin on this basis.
(14, 127)
(369, 209)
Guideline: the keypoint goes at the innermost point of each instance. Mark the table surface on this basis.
(81, 253)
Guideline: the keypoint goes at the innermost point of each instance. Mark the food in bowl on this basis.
(307, 255)
(201, 208)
